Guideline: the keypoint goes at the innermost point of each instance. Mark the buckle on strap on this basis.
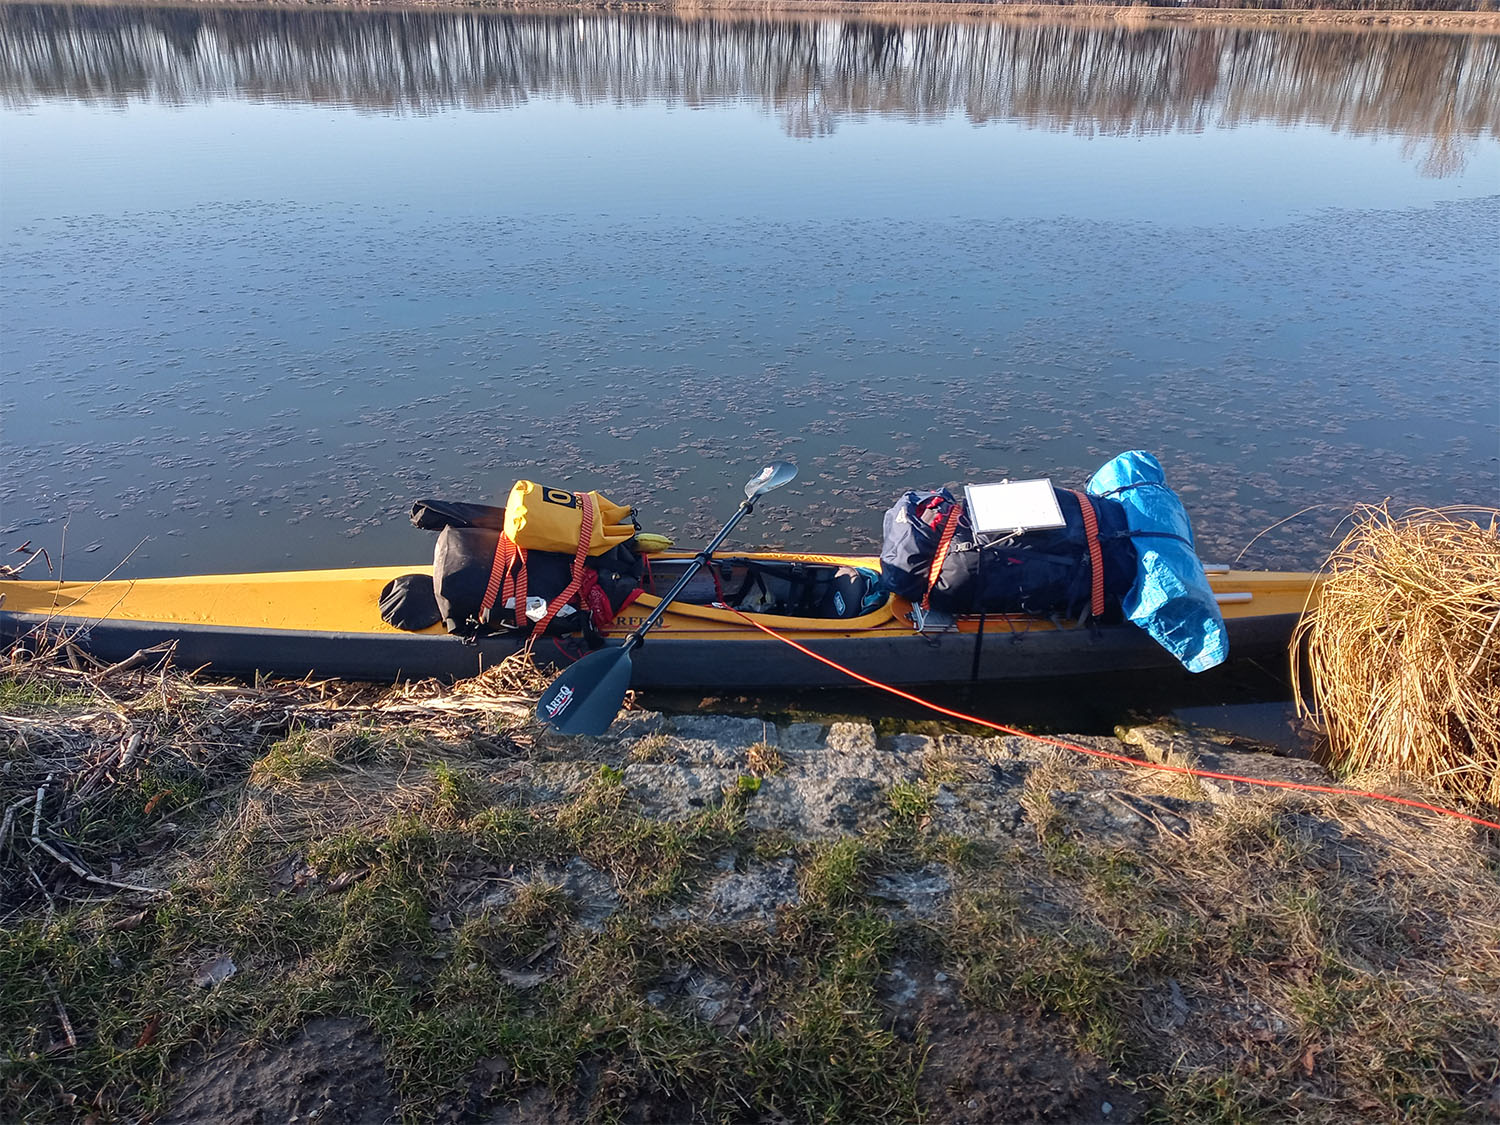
(927, 620)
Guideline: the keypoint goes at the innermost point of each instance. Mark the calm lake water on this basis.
(270, 276)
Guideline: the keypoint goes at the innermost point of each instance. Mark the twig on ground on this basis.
(10, 816)
(83, 657)
(62, 1015)
(140, 657)
(41, 886)
(131, 750)
(72, 864)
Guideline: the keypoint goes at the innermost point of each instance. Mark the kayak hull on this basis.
(686, 663)
(326, 624)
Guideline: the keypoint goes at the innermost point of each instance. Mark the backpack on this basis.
(1041, 573)
(483, 582)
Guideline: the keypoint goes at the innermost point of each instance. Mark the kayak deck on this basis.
(347, 601)
(327, 622)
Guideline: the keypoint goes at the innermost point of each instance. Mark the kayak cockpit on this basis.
(782, 591)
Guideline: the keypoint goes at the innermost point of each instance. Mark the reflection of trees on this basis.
(1436, 90)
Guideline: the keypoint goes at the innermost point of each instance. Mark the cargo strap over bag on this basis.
(510, 579)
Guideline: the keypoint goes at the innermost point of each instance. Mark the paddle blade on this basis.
(774, 475)
(586, 698)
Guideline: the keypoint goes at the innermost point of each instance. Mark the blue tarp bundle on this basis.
(1171, 598)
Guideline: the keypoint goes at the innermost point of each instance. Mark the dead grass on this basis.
(949, 11)
(764, 759)
(1403, 649)
(1058, 772)
(1267, 960)
(125, 758)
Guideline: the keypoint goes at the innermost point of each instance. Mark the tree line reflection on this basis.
(1438, 91)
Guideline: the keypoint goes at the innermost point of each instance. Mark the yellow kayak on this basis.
(327, 623)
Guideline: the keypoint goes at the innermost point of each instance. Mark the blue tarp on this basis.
(1171, 598)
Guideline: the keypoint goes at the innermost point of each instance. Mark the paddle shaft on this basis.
(700, 560)
(586, 696)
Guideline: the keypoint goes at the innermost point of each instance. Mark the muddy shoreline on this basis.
(883, 12)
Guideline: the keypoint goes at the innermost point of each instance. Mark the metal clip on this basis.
(932, 620)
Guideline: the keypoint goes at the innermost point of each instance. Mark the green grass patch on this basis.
(909, 802)
(1067, 974)
(835, 875)
(305, 755)
(1207, 1100)
(18, 693)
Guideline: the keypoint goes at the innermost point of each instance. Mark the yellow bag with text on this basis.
(542, 518)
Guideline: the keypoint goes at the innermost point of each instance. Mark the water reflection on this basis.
(1437, 91)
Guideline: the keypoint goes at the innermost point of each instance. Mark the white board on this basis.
(1013, 505)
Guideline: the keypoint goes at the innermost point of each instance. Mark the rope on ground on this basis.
(1123, 759)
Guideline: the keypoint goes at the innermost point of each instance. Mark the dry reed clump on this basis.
(1404, 650)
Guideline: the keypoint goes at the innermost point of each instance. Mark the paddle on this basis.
(586, 698)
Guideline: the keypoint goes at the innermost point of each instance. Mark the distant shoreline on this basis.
(887, 11)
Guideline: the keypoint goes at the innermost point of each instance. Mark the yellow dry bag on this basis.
(542, 518)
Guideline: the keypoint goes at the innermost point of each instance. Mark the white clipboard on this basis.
(1011, 507)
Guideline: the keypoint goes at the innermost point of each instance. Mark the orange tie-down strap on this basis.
(585, 536)
(1096, 553)
(505, 554)
(934, 572)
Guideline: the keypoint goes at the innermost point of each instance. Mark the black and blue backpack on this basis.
(1041, 573)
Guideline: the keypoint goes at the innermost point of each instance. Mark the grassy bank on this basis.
(418, 905)
(1484, 21)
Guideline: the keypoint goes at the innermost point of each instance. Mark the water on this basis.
(271, 276)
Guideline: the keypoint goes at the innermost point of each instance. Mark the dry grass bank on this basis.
(240, 903)
(1482, 22)
(1403, 648)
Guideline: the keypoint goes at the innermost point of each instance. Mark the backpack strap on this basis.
(1096, 553)
(585, 536)
(515, 588)
(505, 554)
(934, 572)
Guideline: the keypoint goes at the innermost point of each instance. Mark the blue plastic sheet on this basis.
(1171, 598)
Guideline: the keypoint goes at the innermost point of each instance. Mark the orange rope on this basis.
(1122, 758)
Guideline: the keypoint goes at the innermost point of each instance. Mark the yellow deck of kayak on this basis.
(347, 601)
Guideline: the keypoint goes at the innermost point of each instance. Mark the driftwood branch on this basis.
(131, 751)
(140, 657)
(8, 571)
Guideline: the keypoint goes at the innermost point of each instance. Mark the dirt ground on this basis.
(331, 1071)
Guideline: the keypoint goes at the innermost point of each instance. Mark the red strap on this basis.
(585, 536)
(950, 525)
(515, 588)
(499, 570)
(1096, 553)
